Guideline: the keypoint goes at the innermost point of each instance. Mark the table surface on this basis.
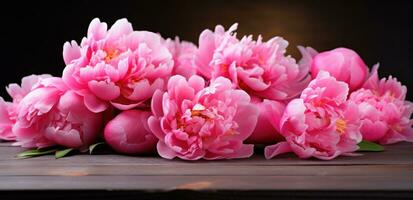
(388, 171)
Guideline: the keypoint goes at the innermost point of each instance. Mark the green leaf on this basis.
(62, 153)
(369, 146)
(93, 146)
(35, 152)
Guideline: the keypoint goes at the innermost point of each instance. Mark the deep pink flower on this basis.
(8, 109)
(342, 63)
(320, 123)
(192, 121)
(51, 114)
(260, 68)
(118, 66)
(129, 133)
(385, 114)
(183, 54)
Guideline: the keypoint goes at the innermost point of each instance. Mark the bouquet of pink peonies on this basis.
(140, 93)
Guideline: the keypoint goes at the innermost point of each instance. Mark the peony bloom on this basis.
(192, 121)
(342, 63)
(118, 66)
(8, 109)
(129, 133)
(51, 114)
(183, 54)
(320, 123)
(260, 68)
(384, 112)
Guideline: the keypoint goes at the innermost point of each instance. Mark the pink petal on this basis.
(97, 30)
(104, 90)
(294, 115)
(276, 149)
(125, 106)
(246, 119)
(196, 82)
(373, 131)
(372, 82)
(156, 104)
(246, 151)
(142, 90)
(94, 104)
(120, 28)
(71, 51)
(69, 138)
(164, 151)
(154, 125)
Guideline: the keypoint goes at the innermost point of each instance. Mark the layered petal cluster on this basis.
(53, 115)
(260, 68)
(118, 66)
(194, 121)
(8, 109)
(321, 123)
(385, 114)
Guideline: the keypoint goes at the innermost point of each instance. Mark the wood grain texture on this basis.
(388, 172)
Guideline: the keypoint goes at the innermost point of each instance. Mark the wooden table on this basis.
(387, 174)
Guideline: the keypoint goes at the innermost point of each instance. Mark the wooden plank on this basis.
(394, 155)
(386, 171)
(5, 143)
(239, 183)
(201, 170)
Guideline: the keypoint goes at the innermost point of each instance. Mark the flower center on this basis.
(341, 126)
(197, 111)
(320, 102)
(224, 68)
(111, 54)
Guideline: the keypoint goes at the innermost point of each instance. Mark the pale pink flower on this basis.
(51, 114)
(129, 133)
(183, 54)
(8, 109)
(193, 121)
(385, 114)
(320, 123)
(258, 67)
(118, 66)
(342, 63)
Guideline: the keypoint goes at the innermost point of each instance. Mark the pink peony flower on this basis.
(183, 54)
(260, 68)
(384, 112)
(129, 133)
(320, 123)
(192, 121)
(8, 109)
(51, 114)
(342, 63)
(118, 66)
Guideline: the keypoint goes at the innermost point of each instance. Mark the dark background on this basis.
(32, 33)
